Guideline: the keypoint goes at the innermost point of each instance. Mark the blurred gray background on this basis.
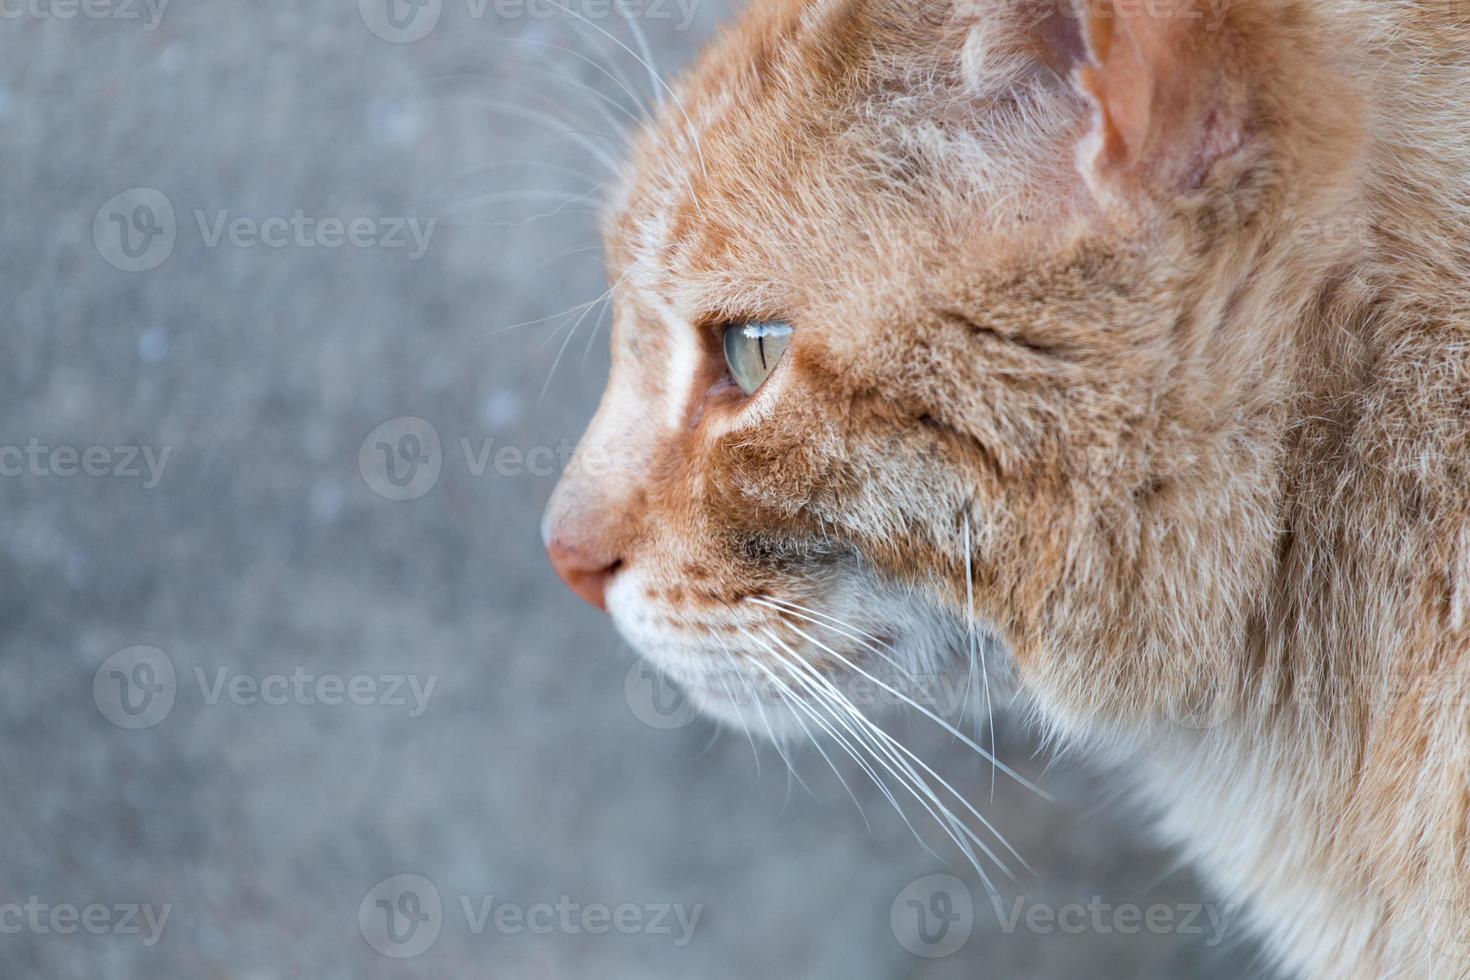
(152, 305)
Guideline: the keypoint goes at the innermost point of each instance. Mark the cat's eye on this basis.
(753, 349)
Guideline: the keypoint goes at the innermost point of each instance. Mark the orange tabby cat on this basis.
(1141, 328)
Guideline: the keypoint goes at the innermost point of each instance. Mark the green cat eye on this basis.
(752, 351)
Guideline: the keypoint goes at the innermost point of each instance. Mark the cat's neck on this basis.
(1350, 673)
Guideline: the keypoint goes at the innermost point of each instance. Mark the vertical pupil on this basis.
(749, 372)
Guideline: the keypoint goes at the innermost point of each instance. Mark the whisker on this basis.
(564, 254)
(592, 334)
(973, 640)
(831, 619)
(581, 137)
(516, 225)
(793, 702)
(537, 165)
(567, 198)
(891, 743)
(614, 76)
(641, 40)
(543, 319)
(847, 746)
(801, 704)
(621, 81)
(777, 605)
(608, 66)
(714, 737)
(580, 306)
(602, 103)
(746, 728)
(953, 828)
(564, 344)
(560, 326)
(818, 618)
(926, 713)
(653, 74)
(770, 732)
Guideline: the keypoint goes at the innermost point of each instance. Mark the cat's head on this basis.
(926, 312)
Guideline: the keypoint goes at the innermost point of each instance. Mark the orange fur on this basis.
(1178, 332)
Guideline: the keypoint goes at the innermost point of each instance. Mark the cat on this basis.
(1131, 334)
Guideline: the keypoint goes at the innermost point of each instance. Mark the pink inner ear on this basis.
(1130, 71)
(1222, 138)
(1060, 35)
(1150, 77)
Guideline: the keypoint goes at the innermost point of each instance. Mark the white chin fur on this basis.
(731, 681)
(749, 712)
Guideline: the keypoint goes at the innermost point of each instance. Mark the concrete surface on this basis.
(265, 565)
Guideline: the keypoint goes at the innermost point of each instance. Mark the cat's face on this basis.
(997, 323)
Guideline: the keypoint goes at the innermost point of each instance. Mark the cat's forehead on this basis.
(709, 188)
(823, 145)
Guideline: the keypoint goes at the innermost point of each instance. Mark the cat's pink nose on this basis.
(585, 574)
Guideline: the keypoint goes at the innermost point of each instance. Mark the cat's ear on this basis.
(1166, 102)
